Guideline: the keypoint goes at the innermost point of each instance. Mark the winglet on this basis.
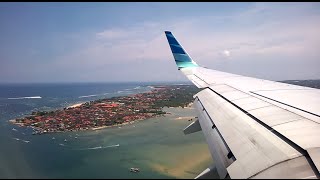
(181, 57)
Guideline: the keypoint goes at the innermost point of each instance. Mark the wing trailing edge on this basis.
(193, 127)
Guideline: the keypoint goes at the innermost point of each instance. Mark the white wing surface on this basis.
(254, 128)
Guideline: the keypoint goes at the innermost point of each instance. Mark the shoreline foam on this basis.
(28, 97)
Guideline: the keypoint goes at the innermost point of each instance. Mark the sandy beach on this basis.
(15, 122)
(75, 105)
(115, 125)
(185, 118)
(101, 127)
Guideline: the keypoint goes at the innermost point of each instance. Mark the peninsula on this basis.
(110, 111)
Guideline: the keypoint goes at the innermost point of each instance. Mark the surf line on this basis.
(31, 97)
(99, 147)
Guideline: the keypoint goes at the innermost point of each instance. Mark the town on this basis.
(111, 111)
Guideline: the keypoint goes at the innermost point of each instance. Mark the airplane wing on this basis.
(254, 128)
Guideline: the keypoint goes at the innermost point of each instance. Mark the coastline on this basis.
(123, 124)
(185, 118)
(49, 121)
(189, 118)
(81, 103)
(76, 105)
(104, 127)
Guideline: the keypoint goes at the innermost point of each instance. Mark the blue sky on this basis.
(111, 42)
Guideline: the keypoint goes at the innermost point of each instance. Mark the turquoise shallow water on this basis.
(145, 144)
(157, 146)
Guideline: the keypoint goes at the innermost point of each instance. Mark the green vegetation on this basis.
(42, 113)
(179, 96)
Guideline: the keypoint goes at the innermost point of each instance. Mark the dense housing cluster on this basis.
(110, 111)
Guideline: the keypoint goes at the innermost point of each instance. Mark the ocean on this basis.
(157, 146)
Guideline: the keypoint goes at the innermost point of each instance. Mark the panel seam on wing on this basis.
(281, 136)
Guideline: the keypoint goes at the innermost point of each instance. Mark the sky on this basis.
(125, 41)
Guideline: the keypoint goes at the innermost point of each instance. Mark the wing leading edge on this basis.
(254, 128)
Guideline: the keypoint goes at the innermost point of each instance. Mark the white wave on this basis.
(31, 97)
(21, 140)
(138, 87)
(115, 145)
(88, 96)
(125, 91)
(100, 147)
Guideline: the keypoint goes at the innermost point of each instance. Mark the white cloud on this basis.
(226, 53)
(263, 34)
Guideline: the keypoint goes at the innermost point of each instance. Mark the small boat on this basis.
(76, 137)
(134, 170)
(13, 129)
(65, 140)
(53, 138)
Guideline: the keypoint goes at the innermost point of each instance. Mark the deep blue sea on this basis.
(19, 99)
(157, 146)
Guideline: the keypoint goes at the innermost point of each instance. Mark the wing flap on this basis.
(315, 156)
(246, 138)
(217, 146)
(192, 128)
(208, 173)
(297, 168)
